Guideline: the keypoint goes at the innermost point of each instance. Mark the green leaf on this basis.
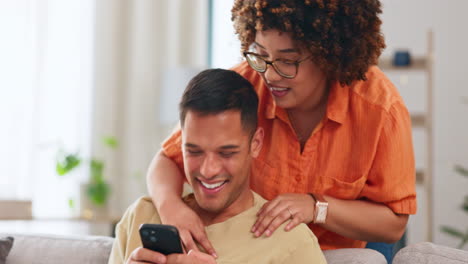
(67, 163)
(463, 242)
(465, 204)
(111, 142)
(453, 232)
(463, 171)
(98, 193)
(71, 203)
(97, 168)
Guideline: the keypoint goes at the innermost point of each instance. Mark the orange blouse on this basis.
(362, 149)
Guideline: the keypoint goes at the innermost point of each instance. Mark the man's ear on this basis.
(257, 142)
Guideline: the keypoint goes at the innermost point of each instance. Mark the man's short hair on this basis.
(217, 90)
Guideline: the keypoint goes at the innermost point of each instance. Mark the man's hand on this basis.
(299, 208)
(189, 225)
(193, 257)
(142, 255)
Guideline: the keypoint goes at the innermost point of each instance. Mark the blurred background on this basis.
(89, 90)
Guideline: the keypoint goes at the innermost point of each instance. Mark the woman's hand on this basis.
(189, 225)
(299, 208)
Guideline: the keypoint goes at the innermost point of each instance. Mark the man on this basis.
(220, 139)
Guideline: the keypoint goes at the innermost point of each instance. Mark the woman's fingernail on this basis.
(214, 255)
(190, 251)
(257, 234)
(268, 233)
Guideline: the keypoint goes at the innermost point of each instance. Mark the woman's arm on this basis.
(165, 184)
(364, 220)
(165, 181)
(356, 219)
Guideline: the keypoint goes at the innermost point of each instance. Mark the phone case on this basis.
(161, 238)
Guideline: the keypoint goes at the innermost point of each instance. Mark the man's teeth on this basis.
(212, 186)
(278, 89)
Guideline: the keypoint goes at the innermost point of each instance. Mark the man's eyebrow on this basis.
(229, 147)
(232, 146)
(288, 50)
(190, 145)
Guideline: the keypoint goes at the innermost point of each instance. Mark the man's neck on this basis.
(244, 202)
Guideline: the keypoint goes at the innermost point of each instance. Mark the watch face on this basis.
(321, 212)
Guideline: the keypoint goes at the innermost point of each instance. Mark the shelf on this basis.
(423, 122)
(15, 209)
(417, 64)
(65, 227)
(418, 120)
(420, 176)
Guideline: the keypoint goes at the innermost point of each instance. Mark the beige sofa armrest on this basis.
(429, 253)
(354, 256)
(51, 249)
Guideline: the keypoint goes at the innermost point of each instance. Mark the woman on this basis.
(338, 151)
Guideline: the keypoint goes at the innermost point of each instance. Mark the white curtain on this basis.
(45, 98)
(138, 43)
(74, 71)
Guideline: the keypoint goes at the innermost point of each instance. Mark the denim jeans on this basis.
(388, 250)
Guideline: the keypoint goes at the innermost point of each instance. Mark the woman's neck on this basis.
(304, 119)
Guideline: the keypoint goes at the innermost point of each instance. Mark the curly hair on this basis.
(343, 36)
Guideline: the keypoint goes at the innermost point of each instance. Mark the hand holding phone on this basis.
(161, 238)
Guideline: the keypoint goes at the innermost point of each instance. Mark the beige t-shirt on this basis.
(232, 239)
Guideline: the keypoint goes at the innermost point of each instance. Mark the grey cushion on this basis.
(429, 253)
(5, 245)
(354, 256)
(49, 249)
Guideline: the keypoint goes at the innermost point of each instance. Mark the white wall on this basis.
(405, 26)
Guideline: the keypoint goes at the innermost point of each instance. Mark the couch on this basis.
(49, 249)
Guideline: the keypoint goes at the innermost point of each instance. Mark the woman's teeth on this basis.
(278, 89)
(212, 186)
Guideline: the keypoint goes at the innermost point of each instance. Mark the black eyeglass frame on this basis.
(272, 63)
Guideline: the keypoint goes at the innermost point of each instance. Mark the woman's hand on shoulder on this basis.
(189, 225)
(293, 207)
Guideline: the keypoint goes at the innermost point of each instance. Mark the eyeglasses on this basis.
(285, 68)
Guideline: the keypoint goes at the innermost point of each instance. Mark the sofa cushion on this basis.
(51, 249)
(5, 245)
(354, 256)
(429, 253)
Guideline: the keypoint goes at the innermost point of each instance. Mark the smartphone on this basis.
(161, 238)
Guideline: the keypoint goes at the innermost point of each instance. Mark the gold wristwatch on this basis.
(321, 209)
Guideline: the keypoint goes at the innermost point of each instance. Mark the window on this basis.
(225, 46)
(46, 81)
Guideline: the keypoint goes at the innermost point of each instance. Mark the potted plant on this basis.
(97, 189)
(463, 236)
